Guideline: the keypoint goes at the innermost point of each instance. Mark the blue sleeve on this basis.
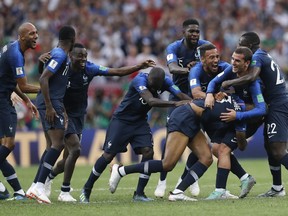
(96, 70)
(256, 61)
(16, 62)
(171, 87)
(258, 101)
(57, 59)
(171, 53)
(139, 83)
(219, 79)
(194, 75)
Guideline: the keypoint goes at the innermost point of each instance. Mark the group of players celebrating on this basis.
(214, 106)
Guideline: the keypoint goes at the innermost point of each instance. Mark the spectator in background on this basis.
(132, 22)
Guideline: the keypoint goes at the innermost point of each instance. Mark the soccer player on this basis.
(129, 125)
(181, 56)
(13, 79)
(49, 101)
(183, 130)
(81, 72)
(251, 94)
(276, 96)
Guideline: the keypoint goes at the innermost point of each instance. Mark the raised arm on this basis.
(122, 71)
(250, 77)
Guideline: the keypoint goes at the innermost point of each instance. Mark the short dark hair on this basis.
(204, 47)
(67, 33)
(245, 51)
(190, 22)
(252, 38)
(156, 72)
(78, 45)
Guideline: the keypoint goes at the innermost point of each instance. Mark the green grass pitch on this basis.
(120, 203)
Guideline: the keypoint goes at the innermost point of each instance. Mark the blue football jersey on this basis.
(250, 93)
(133, 107)
(58, 65)
(179, 53)
(76, 96)
(275, 91)
(198, 77)
(11, 67)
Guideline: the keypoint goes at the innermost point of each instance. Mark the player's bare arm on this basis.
(26, 87)
(249, 77)
(197, 93)
(131, 69)
(174, 68)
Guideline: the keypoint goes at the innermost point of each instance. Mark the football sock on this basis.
(97, 170)
(195, 172)
(142, 182)
(4, 152)
(236, 168)
(10, 175)
(191, 160)
(39, 167)
(221, 177)
(147, 167)
(275, 169)
(48, 163)
(65, 187)
(163, 174)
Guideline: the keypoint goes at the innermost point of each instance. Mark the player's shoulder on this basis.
(12, 48)
(201, 42)
(197, 68)
(140, 77)
(57, 51)
(223, 65)
(175, 44)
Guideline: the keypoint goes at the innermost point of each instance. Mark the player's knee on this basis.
(223, 150)
(75, 152)
(168, 165)
(277, 151)
(108, 157)
(147, 153)
(206, 159)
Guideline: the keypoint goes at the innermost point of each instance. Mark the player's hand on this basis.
(33, 109)
(226, 84)
(220, 96)
(15, 99)
(44, 57)
(228, 116)
(209, 100)
(148, 63)
(51, 115)
(191, 64)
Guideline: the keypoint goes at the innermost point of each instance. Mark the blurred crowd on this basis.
(125, 32)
